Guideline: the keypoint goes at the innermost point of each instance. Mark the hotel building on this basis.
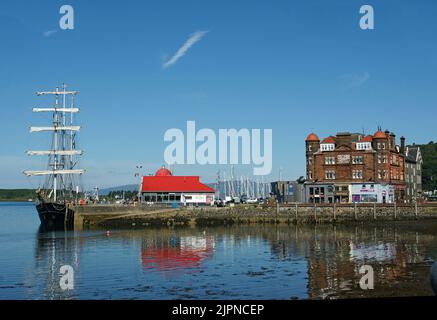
(353, 167)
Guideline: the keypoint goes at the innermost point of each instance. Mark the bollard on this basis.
(334, 208)
(433, 278)
(395, 211)
(315, 213)
(355, 211)
(296, 212)
(374, 211)
(415, 210)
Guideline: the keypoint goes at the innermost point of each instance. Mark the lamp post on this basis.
(137, 174)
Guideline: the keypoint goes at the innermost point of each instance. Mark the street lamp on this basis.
(137, 174)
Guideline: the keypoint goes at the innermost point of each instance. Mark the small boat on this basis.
(58, 194)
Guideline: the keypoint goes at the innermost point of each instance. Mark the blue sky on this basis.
(291, 66)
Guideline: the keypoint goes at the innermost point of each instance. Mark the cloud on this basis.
(195, 37)
(354, 80)
(48, 33)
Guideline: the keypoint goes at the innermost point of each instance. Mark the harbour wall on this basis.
(108, 216)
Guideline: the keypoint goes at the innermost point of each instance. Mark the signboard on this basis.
(194, 198)
(343, 158)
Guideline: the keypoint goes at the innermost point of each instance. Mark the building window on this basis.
(357, 174)
(357, 160)
(382, 158)
(309, 148)
(310, 175)
(364, 146)
(327, 146)
(330, 175)
(329, 160)
(310, 161)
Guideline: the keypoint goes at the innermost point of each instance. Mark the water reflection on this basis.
(54, 249)
(176, 252)
(255, 262)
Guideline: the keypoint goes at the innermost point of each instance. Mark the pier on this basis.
(111, 216)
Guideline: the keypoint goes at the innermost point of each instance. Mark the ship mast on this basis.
(61, 157)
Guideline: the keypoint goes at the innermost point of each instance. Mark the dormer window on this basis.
(364, 146)
(327, 146)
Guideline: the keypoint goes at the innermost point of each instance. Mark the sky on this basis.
(143, 67)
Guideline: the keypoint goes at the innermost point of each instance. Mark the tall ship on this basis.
(58, 194)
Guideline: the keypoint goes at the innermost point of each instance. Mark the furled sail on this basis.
(62, 153)
(55, 128)
(54, 172)
(72, 110)
(42, 93)
(54, 152)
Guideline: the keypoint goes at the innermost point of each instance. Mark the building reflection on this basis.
(173, 252)
(400, 259)
(401, 256)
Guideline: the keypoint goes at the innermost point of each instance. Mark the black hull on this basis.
(55, 215)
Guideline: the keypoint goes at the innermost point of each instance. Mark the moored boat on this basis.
(59, 192)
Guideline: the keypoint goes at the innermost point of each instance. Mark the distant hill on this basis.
(127, 187)
(17, 194)
(429, 169)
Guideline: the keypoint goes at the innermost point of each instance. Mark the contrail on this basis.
(195, 37)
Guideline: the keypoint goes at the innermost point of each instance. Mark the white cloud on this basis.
(354, 80)
(195, 37)
(48, 33)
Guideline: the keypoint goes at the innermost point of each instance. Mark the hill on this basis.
(429, 169)
(17, 194)
(128, 187)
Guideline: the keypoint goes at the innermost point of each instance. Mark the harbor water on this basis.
(234, 262)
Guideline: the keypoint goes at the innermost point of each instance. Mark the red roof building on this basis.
(329, 139)
(312, 137)
(164, 187)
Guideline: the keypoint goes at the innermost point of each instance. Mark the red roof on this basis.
(379, 134)
(163, 172)
(368, 138)
(174, 184)
(312, 137)
(329, 139)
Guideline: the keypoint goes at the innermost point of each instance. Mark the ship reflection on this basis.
(54, 249)
(176, 252)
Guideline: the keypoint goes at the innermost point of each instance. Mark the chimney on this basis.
(344, 139)
(393, 141)
(402, 149)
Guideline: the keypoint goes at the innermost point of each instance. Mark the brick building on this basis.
(355, 167)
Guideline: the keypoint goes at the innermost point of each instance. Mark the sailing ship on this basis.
(58, 194)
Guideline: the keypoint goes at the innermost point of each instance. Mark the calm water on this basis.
(245, 262)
